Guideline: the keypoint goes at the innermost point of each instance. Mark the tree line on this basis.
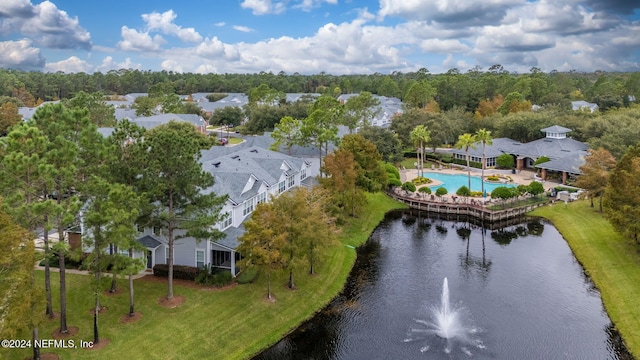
(449, 89)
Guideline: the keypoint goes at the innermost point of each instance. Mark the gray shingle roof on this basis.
(149, 241)
(556, 129)
(230, 240)
(570, 163)
(150, 122)
(550, 147)
(232, 170)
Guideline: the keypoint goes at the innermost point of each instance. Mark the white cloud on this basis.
(220, 24)
(511, 38)
(172, 65)
(242, 28)
(263, 7)
(16, 9)
(308, 5)
(443, 46)
(164, 23)
(109, 64)
(214, 48)
(20, 54)
(133, 40)
(70, 65)
(44, 23)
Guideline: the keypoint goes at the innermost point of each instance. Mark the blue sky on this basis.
(311, 36)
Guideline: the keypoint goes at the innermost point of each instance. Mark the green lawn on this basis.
(612, 262)
(212, 324)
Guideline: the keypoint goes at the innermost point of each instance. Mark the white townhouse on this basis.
(248, 176)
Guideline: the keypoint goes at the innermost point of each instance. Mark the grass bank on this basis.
(611, 261)
(234, 323)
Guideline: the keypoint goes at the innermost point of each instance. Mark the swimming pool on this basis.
(452, 182)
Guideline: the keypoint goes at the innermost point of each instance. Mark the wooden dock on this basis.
(477, 210)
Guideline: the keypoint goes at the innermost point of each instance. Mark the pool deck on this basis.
(475, 207)
(523, 177)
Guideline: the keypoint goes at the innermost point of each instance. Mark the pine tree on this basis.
(177, 187)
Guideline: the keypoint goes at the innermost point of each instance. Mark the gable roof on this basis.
(149, 241)
(231, 235)
(232, 170)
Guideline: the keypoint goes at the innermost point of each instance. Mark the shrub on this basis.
(179, 271)
(408, 186)
(213, 276)
(441, 191)
(221, 278)
(392, 171)
(70, 262)
(535, 188)
(425, 190)
(476, 193)
(493, 178)
(503, 192)
(463, 191)
(394, 182)
(505, 161)
(421, 180)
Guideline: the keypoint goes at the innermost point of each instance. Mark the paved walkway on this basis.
(84, 272)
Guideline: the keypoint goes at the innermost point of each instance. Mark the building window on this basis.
(140, 228)
(303, 174)
(248, 206)
(281, 187)
(291, 181)
(166, 255)
(262, 197)
(156, 230)
(199, 259)
(227, 220)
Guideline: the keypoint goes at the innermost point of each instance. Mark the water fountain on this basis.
(448, 325)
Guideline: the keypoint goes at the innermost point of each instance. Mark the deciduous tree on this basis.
(263, 245)
(19, 297)
(621, 200)
(341, 181)
(9, 116)
(595, 173)
(371, 174)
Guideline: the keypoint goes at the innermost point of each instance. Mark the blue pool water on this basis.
(453, 182)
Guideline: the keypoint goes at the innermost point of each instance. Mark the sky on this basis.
(312, 36)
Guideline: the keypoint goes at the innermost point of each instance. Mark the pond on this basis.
(514, 292)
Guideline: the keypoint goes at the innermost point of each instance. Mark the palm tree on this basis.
(485, 138)
(466, 141)
(419, 136)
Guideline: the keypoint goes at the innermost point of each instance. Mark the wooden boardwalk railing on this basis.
(476, 210)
